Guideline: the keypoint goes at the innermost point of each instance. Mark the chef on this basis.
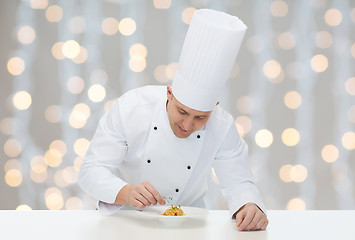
(160, 143)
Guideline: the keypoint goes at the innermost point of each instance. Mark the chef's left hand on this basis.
(250, 218)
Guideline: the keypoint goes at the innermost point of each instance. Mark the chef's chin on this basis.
(180, 134)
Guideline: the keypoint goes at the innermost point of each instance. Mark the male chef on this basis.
(158, 143)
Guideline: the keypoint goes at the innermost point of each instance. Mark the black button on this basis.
(148, 161)
(198, 136)
(155, 128)
(188, 167)
(176, 190)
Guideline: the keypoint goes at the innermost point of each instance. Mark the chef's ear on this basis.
(169, 92)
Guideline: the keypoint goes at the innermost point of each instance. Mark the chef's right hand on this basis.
(141, 195)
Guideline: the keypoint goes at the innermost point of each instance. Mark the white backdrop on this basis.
(291, 91)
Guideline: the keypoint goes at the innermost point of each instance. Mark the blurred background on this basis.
(291, 91)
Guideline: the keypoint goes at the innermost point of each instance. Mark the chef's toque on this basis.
(211, 46)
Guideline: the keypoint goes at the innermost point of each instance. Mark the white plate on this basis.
(157, 212)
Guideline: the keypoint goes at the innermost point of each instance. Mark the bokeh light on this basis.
(74, 203)
(96, 93)
(298, 173)
(39, 167)
(350, 86)
(22, 100)
(75, 85)
(110, 26)
(296, 204)
(54, 198)
(81, 146)
(12, 148)
(162, 4)
(39, 4)
(324, 39)
(53, 158)
(54, 13)
(290, 137)
(26, 35)
(13, 177)
(187, 15)
(16, 66)
(293, 100)
(57, 50)
(170, 70)
(81, 57)
(23, 207)
(53, 114)
(286, 41)
(333, 17)
(127, 26)
(71, 49)
(272, 69)
(330, 153)
(160, 74)
(285, 173)
(264, 138)
(138, 49)
(245, 105)
(12, 164)
(348, 140)
(319, 63)
(279, 8)
(7, 126)
(109, 104)
(244, 122)
(137, 63)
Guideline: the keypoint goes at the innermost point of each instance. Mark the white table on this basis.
(90, 225)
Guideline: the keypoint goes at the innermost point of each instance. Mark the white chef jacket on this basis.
(134, 143)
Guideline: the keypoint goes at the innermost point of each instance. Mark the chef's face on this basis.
(184, 120)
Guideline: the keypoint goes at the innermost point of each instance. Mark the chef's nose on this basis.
(188, 123)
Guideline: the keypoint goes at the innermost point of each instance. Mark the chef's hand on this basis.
(141, 195)
(251, 218)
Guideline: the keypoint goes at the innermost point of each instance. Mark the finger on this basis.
(247, 220)
(265, 225)
(257, 218)
(147, 195)
(137, 203)
(239, 218)
(259, 224)
(139, 197)
(159, 198)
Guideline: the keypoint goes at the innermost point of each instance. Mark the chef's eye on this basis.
(181, 112)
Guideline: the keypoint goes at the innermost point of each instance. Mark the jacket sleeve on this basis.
(233, 171)
(106, 152)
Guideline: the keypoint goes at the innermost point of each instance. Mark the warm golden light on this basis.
(81, 146)
(272, 69)
(264, 138)
(348, 140)
(110, 26)
(319, 63)
(77, 25)
(39, 4)
(59, 145)
(279, 8)
(16, 66)
(96, 93)
(12, 164)
(81, 112)
(23, 207)
(53, 157)
(38, 164)
(160, 74)
(71, 49)
(26, 35)
(138, 49)
(13, 178)
(59, 180)
(330, 153)
(296, 204)
(137, 63)
(293, 100)
(350, 86)
(82, 56)
(74, 203)
(162, 4)
(77, 163)
(324, 39)
(333, 17)
(12, 148)
(70, 175)
(299, 173)
(286, 41)
(187, 15)
(53, 114)
(285, 173)
(38, 177)
(240, 130)
(127, 26)
(54, 13)
(245, 104)
(57, 51)
(109, 104)
(76, 85)
(7, 126)
(170, 70)
(22, 100)
(245, 122)
(54, 199)
(290, 137)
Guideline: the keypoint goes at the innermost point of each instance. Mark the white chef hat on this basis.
(210, 49)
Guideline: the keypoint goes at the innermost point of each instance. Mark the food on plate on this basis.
(174, 211)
